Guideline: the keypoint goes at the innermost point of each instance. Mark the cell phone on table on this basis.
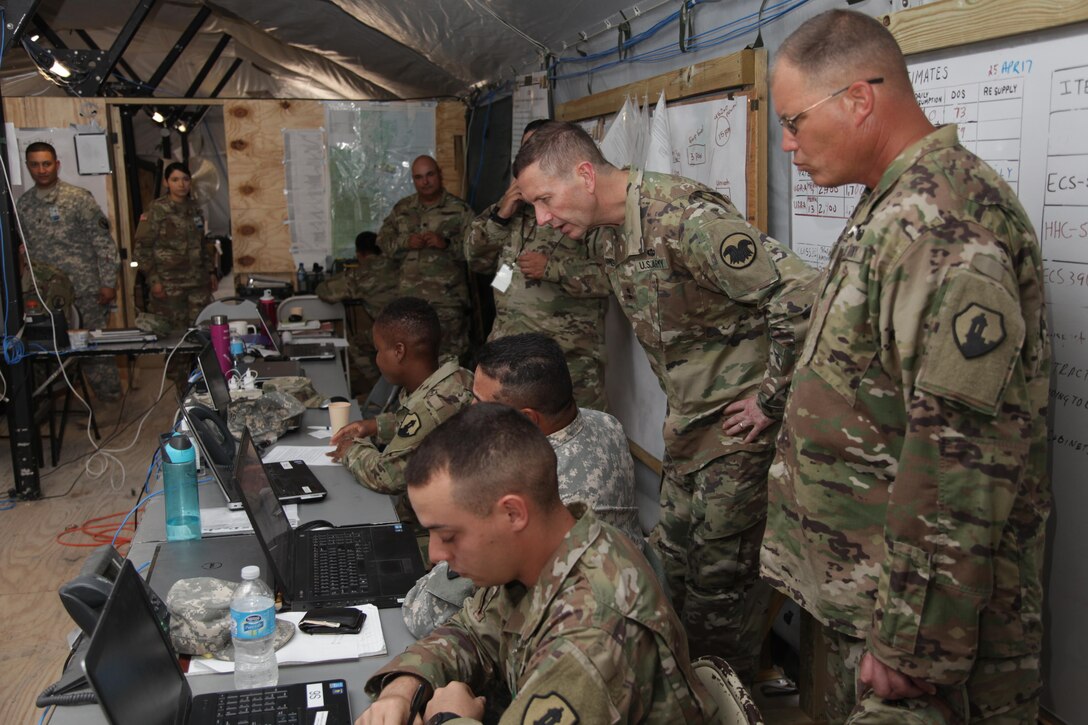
(333, 620)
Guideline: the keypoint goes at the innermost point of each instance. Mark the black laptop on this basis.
(293, 481)
(375, 563)
(214, 379)
(135, 673)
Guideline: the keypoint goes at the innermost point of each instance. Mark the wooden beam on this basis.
(651, 461)
(948, 23)
(730, 71)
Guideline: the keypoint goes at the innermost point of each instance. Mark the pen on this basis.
(418, 701)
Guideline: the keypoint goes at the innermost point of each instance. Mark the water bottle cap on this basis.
(179, 449)
(250, 572)
(267, 296)
(219, 319)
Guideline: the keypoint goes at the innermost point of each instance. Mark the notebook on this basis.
(292, 481)
(135, 673)
(374, 564)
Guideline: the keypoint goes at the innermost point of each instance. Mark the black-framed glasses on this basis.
(790, 122)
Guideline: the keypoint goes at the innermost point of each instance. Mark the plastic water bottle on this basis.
(253, 631)
(301, 277)
(237, 351)
(179, 485)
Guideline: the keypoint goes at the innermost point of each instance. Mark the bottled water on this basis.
(253, 631)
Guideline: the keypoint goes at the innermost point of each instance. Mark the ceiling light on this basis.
(157, 117)
(60, 70)
(181, 127)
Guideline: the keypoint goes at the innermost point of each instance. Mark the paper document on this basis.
(312, 455)
(306, 648)
(320, 432)
(221, 520)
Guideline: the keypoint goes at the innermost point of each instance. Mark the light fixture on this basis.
(59, 69)
(182, 127)
(134, 264)
(49, 65)
(157, 117)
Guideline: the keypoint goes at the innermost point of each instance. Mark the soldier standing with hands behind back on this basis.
(65, 228)
(909, 499)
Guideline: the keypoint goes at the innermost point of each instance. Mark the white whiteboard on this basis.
(1022, 105)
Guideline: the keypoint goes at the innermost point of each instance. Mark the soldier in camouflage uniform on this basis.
(170, 250)
(910, 495)
(65, 228)
(406, 335)
(594, 464)
(554, 286)
(425, 234)
(570, 622)
(720, 309)
(373, 281)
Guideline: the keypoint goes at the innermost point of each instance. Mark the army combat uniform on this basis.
(594, 640)
(57, 292)
(720, 309)
(170, 249)
(374, 283)
(568, 304)
(65, 228)
(910, 494)
(594, 466)
(446, 391)
(436, 275)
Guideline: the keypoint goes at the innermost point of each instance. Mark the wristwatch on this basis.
(500, 220)
(440, 717)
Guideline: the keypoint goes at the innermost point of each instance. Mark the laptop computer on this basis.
(214, 379)
(376, 563)
(309, 350)
(135, 673)
(293, 481)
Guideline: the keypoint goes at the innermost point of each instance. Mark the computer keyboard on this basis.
(257, 707)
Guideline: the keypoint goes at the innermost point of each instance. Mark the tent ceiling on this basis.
(355, 49)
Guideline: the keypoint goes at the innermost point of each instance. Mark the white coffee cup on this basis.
(338, 415)
(77, 339)
(241, 327)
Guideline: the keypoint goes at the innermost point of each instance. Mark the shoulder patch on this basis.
(409, 426)
(550, 709)
(738, 250)
(978, 330)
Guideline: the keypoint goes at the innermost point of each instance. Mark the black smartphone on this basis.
(333, 620)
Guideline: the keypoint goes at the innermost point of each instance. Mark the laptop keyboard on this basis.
(339, 564)
(259, 707)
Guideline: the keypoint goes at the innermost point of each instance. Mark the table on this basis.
(347, 502)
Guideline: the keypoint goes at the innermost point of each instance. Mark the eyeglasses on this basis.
(790, 122)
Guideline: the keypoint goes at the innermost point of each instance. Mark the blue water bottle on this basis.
(179, 484)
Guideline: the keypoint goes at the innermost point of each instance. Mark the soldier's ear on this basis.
(400, 350)
(587, 175)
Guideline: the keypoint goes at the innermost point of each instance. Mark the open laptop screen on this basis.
(265, 510)
(215, 380)
(130, 663)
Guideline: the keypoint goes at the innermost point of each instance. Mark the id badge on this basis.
(54, 214)
(503, 278)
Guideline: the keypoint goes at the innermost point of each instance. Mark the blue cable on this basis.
(143, 566)
(46, 710)
(141, 502)
(7, 504)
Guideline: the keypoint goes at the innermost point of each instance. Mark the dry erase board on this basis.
(1021, 103)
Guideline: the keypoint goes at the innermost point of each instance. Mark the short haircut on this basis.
(533, 125)
(837, 45)
(412, 321)
(176, 166)
(367, 243)
(38, 146)
(558, 146)
(532, 371)
(488, 450)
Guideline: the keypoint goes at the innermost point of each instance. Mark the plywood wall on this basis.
(449, 130)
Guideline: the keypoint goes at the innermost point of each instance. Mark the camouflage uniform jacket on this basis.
(169, 244)
(719, 307)
(595, 468)
(549, 305)
(65, 227)
(436, 275)
(594, 638)
(910, 494)
(373, 282)
(446, 391)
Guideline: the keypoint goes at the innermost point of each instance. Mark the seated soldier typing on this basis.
(594, 465)
(570, 620)
(406, 335)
